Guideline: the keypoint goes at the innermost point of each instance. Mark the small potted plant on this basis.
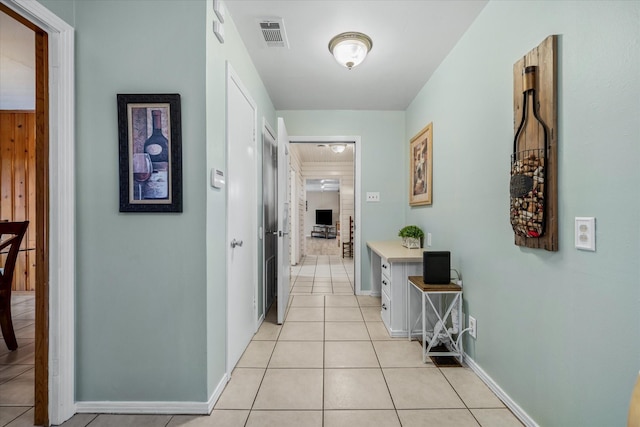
(412, 236)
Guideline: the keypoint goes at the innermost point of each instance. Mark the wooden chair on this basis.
(11, 234)
(347, 247)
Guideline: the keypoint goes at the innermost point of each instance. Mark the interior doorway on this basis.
(55, 321)
(336, 161)
(269, 216)
(24, 113)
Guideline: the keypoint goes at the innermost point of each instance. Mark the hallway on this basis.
(332, 363)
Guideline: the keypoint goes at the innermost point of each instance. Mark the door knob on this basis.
(235, 243)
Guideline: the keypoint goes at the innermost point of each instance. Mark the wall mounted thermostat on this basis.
(217, 178)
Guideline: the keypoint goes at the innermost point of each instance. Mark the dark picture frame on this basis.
(150, 152)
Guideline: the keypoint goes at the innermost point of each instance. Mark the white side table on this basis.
(430, 293)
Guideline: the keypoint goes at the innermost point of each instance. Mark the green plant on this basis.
(411, 231)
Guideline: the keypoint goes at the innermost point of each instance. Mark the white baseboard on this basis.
(515, 408)
(217, 393)
(171, 408)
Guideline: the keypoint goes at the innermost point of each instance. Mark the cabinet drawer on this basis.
(385, 310)
(385, 267)
(386, 284)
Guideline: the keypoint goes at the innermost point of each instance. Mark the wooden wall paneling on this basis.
(31, 203)
(7, 131)
(544, 56)
(17, 194)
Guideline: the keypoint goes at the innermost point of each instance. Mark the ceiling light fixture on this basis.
(350, 48)
(338, 148)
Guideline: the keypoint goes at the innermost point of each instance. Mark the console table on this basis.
(391, 264)
(324, 231)
(434, 303)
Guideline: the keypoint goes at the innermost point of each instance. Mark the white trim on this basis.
(232, 76)
(358, 182)
(143, 408)
(511, 404)
(171, 408)
(217, 393)
(62, 206)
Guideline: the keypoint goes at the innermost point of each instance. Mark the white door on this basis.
(242, 231)
(284, 265)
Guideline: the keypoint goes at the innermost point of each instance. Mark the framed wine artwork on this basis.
(421, 167)
(150, 145)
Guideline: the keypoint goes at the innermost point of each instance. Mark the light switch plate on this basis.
(585, 233)
(373, 196)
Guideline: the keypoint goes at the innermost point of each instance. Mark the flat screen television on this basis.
(324, 217)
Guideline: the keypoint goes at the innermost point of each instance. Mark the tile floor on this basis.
(330, 364)
(17, 373)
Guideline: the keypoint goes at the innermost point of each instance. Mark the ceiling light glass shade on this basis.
(338, 148)
(350, 48)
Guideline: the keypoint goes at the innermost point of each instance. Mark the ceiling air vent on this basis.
(273, 32)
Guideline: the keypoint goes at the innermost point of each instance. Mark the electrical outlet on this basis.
(428, 239)
(472, 326)
(373, 196)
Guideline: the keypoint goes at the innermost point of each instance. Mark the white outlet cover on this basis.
(585, 233)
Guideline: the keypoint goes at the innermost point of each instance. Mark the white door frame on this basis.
(357, 178)
(232, 76)
(61, 206)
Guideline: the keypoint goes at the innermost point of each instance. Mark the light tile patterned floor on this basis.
(17, 373)
(332, 363)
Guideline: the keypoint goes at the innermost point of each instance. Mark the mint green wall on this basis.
(558, 331)
(172, 321)
(383, 146)
(232, 50)
(140, 291)
(63, 9)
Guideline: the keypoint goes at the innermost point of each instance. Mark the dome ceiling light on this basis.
(338, 148)
(350, 48)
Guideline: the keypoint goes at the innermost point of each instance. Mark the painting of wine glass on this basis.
(150, 153)
(421, 167)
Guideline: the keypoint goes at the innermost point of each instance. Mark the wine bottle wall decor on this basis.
(150, 145)
(533, 185)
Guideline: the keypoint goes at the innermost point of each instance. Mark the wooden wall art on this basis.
(534, 165)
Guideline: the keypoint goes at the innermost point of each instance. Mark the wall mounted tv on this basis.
(324, 217)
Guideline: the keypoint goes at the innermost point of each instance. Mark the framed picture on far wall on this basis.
(421, 167)
(150, 142)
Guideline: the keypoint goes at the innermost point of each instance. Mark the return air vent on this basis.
(273, 32)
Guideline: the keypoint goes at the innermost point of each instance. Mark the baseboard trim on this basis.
(515, 408)
(171, 408)
(217, 393)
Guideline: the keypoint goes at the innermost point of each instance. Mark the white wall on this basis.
(17, 65)
(320, 200)
(344, 172)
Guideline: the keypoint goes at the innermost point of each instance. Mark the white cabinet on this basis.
(391, 265)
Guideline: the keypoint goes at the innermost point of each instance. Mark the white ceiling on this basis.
(410, 39)
(317, 152)
(17, 65)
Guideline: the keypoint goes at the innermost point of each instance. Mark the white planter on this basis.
(411, 243)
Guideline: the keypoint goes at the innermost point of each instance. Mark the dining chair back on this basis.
(11, 234)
